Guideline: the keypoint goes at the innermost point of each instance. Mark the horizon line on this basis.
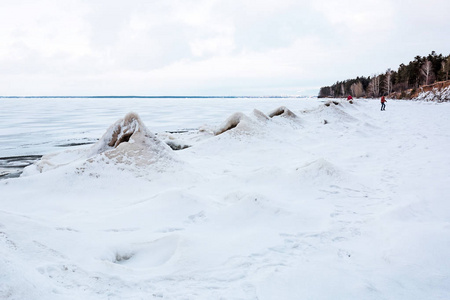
(154, 97)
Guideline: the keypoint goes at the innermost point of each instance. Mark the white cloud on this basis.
(45, 27)
(212, 46)
(360, 17)
(199, 46)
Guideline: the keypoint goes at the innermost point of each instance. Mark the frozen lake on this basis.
(32, 127)
(44, 125)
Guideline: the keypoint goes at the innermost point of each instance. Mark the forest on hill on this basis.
(401, 84)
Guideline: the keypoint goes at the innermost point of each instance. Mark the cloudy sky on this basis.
(209, 47)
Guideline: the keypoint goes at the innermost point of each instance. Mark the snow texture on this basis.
(257, 207)
(283, 112)
(243, 123)
(438, 95)
(127, 143)
(128, 136)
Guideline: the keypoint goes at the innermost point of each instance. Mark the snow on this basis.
(256, 207)
(435, 94)
(282, 111)
(127, 143)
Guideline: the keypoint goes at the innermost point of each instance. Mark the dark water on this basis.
(11, 167)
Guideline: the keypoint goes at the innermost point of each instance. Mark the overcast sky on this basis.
(209, 47)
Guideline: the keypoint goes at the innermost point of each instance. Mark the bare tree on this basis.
(342, 90)
(357, 89)
(369, 90)
(387, 81)
(446, 67)
(374, 86)
(426, 71)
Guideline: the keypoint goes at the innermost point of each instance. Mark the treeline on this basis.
(423, 70)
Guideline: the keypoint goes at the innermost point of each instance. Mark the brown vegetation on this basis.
(413, 93)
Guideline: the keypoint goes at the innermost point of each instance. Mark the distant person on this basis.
(349, 98)
(383, 103)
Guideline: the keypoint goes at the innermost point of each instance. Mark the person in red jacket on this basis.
(349, 98)
(383, 103)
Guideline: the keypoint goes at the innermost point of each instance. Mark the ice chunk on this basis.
(260, 116)
(238, 119)
(283, 112)
(127, 141)
(128, 133)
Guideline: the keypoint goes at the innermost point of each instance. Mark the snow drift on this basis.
(282, 111)
(127, 142)
(267, 210)
(235, 120)
(333, 112)
(242, 122)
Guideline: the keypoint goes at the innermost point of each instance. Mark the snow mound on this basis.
(126, 142)
(129, 136)
(321, 170)
(282, 111)
(260, 116)
(237, 120)
(243, 123)
(332, 114)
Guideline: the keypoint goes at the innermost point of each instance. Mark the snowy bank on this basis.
(435, 94)
(270, 208)
(127, 144)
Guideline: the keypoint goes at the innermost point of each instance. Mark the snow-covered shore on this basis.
(322, 202)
